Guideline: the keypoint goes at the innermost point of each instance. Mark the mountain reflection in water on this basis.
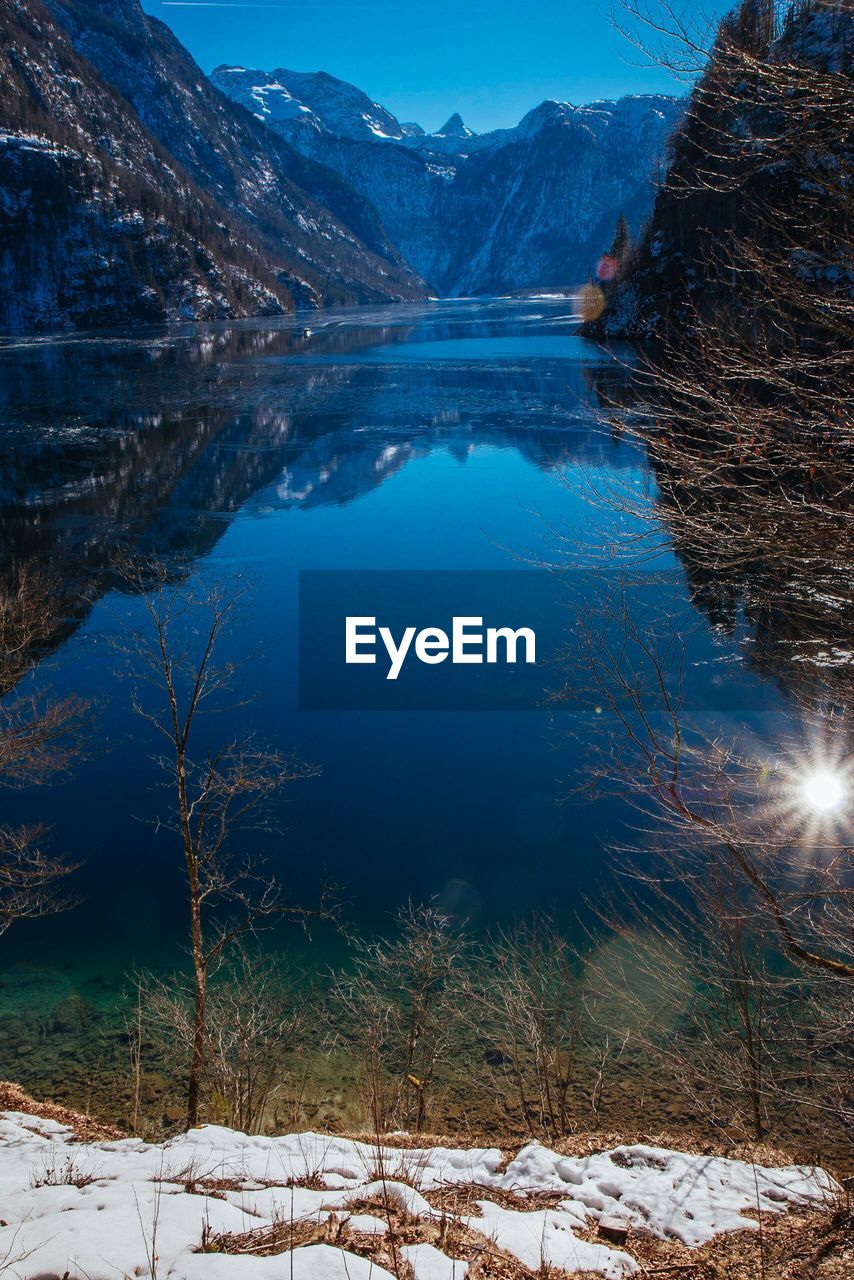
(151, 445)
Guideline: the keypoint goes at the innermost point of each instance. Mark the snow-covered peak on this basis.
(546, 115)
(296, 103)
(522, 207)
(266, 98)
(309, 97)
(633, 113)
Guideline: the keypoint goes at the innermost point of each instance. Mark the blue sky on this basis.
(491, 60)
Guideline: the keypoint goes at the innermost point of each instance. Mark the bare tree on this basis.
(215, 794)
(736, 920)
(255, 1016)
(29, 876)
(688, 981)
(742, 406)
(705, 792)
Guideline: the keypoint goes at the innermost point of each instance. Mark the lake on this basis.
(447, 436)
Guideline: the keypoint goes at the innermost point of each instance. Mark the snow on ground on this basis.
(429, 1263)
(547, 1236)
(113, 1210)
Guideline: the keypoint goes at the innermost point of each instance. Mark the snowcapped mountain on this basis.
(131, 189)
(526, 207)
(311, 99)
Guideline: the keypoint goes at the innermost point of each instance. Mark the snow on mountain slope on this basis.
(131, 189)
(112, 1209)
(311, 99)
(455, 128)
(510, 209)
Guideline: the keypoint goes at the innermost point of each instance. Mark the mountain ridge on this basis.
(133, 187)
(476, 212)
(117, 203)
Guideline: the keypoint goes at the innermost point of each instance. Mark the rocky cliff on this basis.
(755, 208)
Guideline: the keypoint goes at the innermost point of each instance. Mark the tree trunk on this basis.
(197, 1061)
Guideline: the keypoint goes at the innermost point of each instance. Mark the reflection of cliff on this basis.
(796, 617)
(802, 638)
(150, 446)
(450, 411)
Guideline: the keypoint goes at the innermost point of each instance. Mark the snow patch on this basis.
(92, 1209)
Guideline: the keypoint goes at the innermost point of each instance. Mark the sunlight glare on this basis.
(823, 791)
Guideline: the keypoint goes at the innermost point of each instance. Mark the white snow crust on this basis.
(128, 1208)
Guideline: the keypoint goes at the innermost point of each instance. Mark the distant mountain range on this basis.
(132, 187)
(472, 213)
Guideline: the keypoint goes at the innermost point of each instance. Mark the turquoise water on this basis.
(437, 437)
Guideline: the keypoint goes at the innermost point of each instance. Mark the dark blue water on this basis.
(438, 437)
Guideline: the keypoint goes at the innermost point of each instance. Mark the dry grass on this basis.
(460, 1199)
(85, 1129)
(401, 1141)
(455, 1239)
(816, 1246)
(585, 1142)
(789, 1246)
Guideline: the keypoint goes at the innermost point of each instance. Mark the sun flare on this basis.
(824, 791)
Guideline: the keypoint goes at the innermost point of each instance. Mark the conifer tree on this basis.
(621, 243)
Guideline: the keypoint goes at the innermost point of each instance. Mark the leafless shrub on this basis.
(395, 1011)
(39, 739)
(743, 404)
(255, 1018)
(62, 1172)
(521, 999)
(743, 409)
(731, 952)
(29, 876)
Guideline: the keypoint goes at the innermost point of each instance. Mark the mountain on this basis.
(517, 208)
(454, 128)
(134, 188)
(130, 189)
(318, 101)
(181, 434)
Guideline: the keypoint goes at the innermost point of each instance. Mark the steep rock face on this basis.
(455, 128)
(130, 189)
(551, 190)
(476, 213)
(746, 169)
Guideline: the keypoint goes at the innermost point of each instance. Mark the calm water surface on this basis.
(411, 438)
